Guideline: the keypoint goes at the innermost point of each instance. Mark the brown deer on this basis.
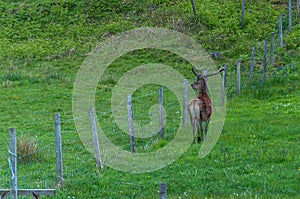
(200, 108)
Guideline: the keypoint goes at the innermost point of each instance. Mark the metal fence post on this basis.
(130, 122)
(223, 86)
(13, 163)
(160, 112)
(238, 76)
(59, 162)
(185, 101)
(95, 141)
(162, 190)
(252, 63)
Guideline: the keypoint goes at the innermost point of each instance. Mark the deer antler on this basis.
(205, 75)
(214, 73)
(200, 71)
(193, 70)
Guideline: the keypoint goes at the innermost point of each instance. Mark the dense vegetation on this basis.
(43, 44)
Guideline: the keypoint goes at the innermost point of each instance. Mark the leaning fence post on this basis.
(290, 15)
(252, 63)
(59, 162)
(185, 101)
(280, 30)
(95, 140)
(194, 7)
(160, 112)
(238, 77)
(130, 122)
(242, 13)
(265, 59)
(223, 85)
(13, 163)
(162, 190)
(272, 49)
(298, 7)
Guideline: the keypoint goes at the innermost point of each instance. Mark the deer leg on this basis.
(200, 124)
(206, 127)
(193, 127)
(200, 132)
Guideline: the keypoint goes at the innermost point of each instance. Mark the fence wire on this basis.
(280, 54)
(37, 169)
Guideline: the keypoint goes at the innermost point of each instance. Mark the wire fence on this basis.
(143, 115)
(42, 158)
(264, 59)
(36, 166)
(30, 165)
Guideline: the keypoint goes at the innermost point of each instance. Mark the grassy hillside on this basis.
(44, 43)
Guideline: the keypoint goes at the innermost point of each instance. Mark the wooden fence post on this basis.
(162, 190)
(95, 140)
(59, 162)
(130, 122)
(252, 63)
(238, 77)
(13, 163)
(280, 30)
(265, 60)
(160, 112)
(223, 85)
(290, 15)
(298, 7)
(272, 49)
(242, 13)
(185, 101)
(194, 7)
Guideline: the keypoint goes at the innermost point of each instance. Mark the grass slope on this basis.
(43, 44)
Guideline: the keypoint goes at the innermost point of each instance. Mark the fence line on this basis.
(108, 112)
(276, 39)
(271, 61)
(131, 117)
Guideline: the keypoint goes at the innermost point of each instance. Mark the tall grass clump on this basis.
(27, 149)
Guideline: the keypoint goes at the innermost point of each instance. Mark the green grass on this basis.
(257, 154)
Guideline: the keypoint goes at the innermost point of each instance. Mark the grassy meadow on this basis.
(43, 45)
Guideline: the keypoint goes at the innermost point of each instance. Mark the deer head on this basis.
(201, 83)
(204, 73)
